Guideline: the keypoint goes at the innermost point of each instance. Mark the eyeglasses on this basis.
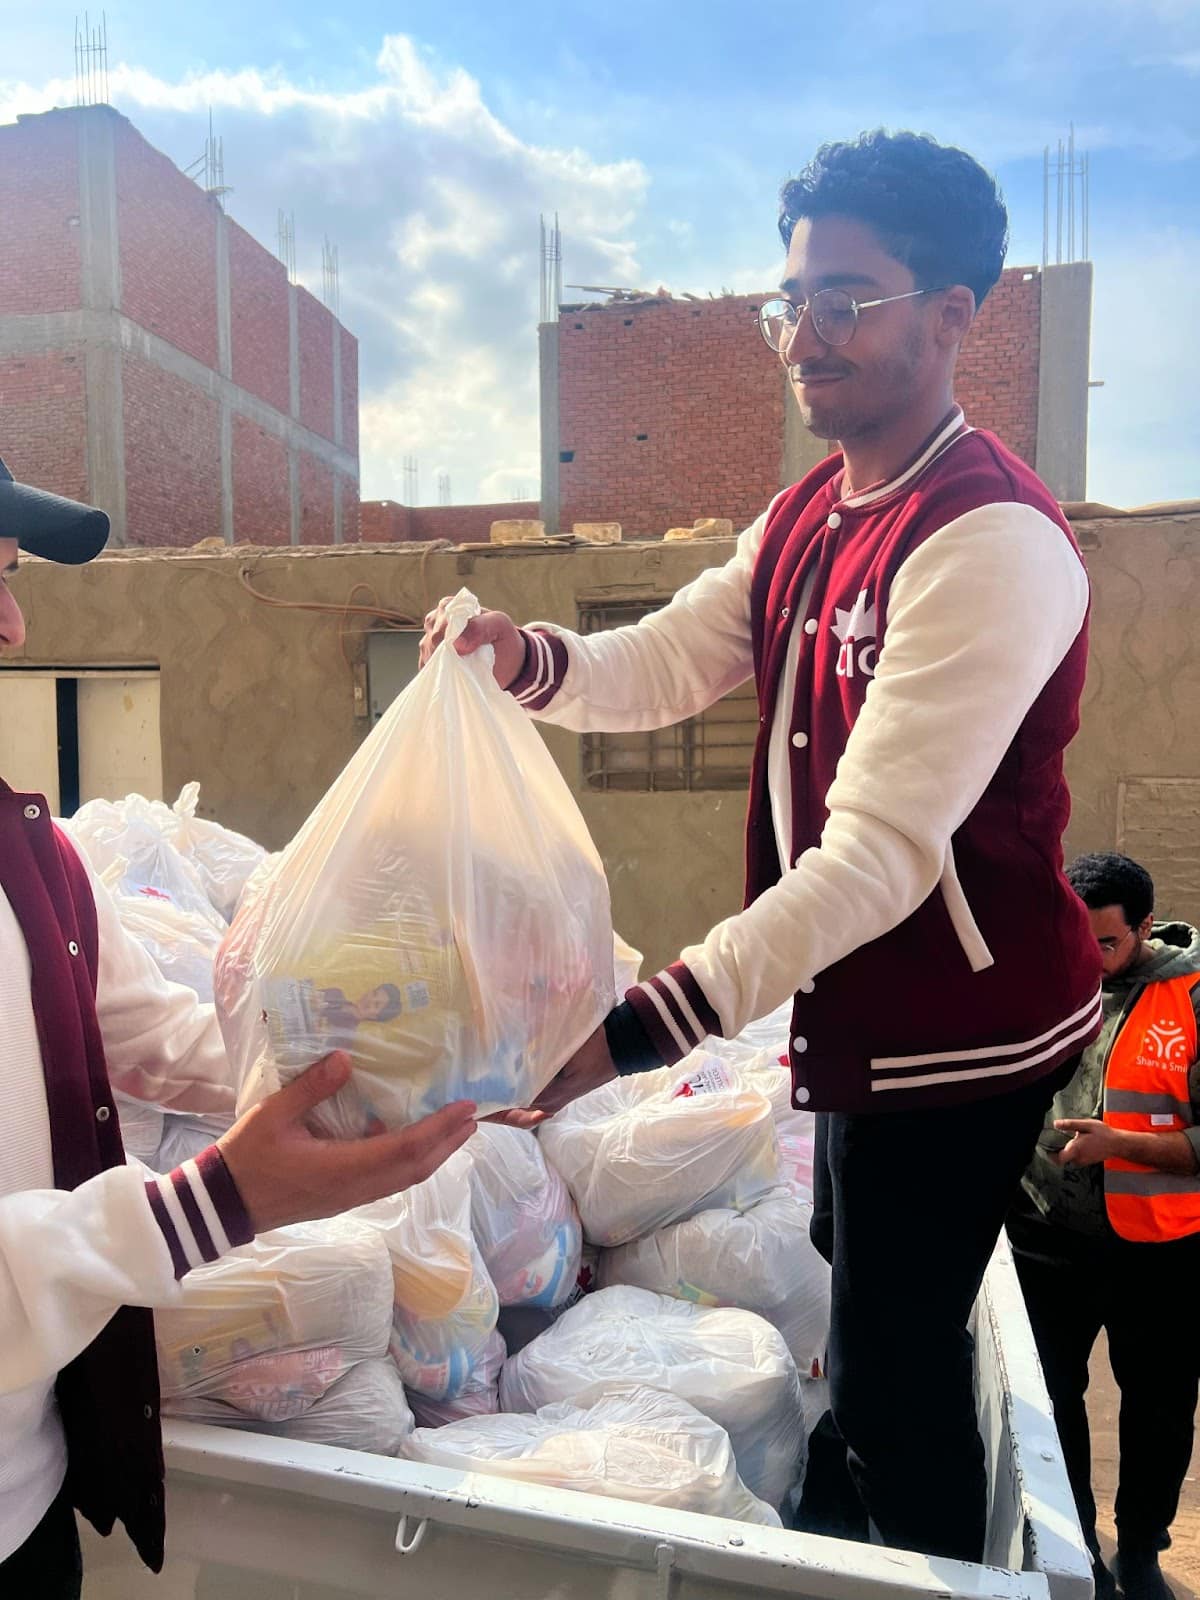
(1110, 946)
(834, 315)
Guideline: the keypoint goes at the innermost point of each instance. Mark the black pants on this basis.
(48, 1565)
(1146, 1298)
(908, 1206)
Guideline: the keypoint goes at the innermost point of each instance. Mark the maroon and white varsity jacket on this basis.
(919, 651)
(86, 1242)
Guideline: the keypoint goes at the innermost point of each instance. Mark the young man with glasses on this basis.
(1106, 1231)
(914, 615)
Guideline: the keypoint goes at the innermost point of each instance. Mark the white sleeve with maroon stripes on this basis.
(978, 620)
(69, 1260)
(655, 672)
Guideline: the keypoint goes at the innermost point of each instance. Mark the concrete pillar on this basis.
(548, 408)
(1064, 367)
(224, 313)
(225, 368)
(100, 290)
(801, 449)
(337, 381)
(293, 351)
(98, 239)
(294, 492)
(226, 472)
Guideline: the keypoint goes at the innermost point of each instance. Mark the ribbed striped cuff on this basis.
(540, 679)
(674, 1010)
(199, 1210)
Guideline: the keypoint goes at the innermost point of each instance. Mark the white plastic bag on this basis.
(627, 962)
(365, 1410)
(184, 1136)
(630, 1444)
(731, 1365)
(479, 1396)
(182, 944)
(445, 1304)
(524, 1219)
(128, 843)
(141, 1127)
(655, 1147)
(271, 1326)
(443, 916)
(760, 1259)
(223, 859)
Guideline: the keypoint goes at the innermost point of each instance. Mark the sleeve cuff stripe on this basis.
(666, 984)
(209, 1218)
(182, 1184)
(225, 1197)
(199, 1211)
(180, 1239)
(706, 1015)
(664, 1026)
(179, 1262)
(548, 674)
(540, 668)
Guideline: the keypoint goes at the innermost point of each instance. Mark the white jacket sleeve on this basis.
(70, 1259)
(67, 1261)
(979, 618)
(655, 672)
(161, 1043)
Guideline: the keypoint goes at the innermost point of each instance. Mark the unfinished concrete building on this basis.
(154, 358)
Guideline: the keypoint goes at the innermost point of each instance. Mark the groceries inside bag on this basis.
(271, 1326)
(630, 1443)
(656, 1147)
(443, 916)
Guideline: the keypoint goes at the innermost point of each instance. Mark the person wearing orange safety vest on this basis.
(1106, 1232)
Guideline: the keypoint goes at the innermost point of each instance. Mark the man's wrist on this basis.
(629, 1044)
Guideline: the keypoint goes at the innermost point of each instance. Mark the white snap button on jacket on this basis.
(33, 812)
(835, 520)
(801, 1096)
(811, 625)
(799, 740)
(102, 1113)
(799, 1045)
(807, 986)
(73, 948)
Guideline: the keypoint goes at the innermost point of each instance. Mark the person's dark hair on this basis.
(933, 207)
(395, 1003)
(1112, 880)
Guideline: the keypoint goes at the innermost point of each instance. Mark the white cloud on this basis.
(433, 202)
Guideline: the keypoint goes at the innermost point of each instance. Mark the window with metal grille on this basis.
(710, 751)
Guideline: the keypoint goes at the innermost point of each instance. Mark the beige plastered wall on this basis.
(259, 704)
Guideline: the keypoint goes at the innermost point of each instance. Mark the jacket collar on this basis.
(951, 430)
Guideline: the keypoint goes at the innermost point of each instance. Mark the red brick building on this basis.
(657, 411)
(389, 522)
(154, 358)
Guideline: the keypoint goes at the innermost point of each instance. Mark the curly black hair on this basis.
(1112, 880)
(933, 207)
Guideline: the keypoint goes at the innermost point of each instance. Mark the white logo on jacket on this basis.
(1166, 1041)
(856, 630)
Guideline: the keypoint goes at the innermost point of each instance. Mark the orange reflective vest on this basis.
(1146, 1091)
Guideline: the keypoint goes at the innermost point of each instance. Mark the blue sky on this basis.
(424, 140)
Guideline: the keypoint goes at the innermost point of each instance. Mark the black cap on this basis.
(49, 525)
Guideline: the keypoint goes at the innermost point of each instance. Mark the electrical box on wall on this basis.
(393, 661)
